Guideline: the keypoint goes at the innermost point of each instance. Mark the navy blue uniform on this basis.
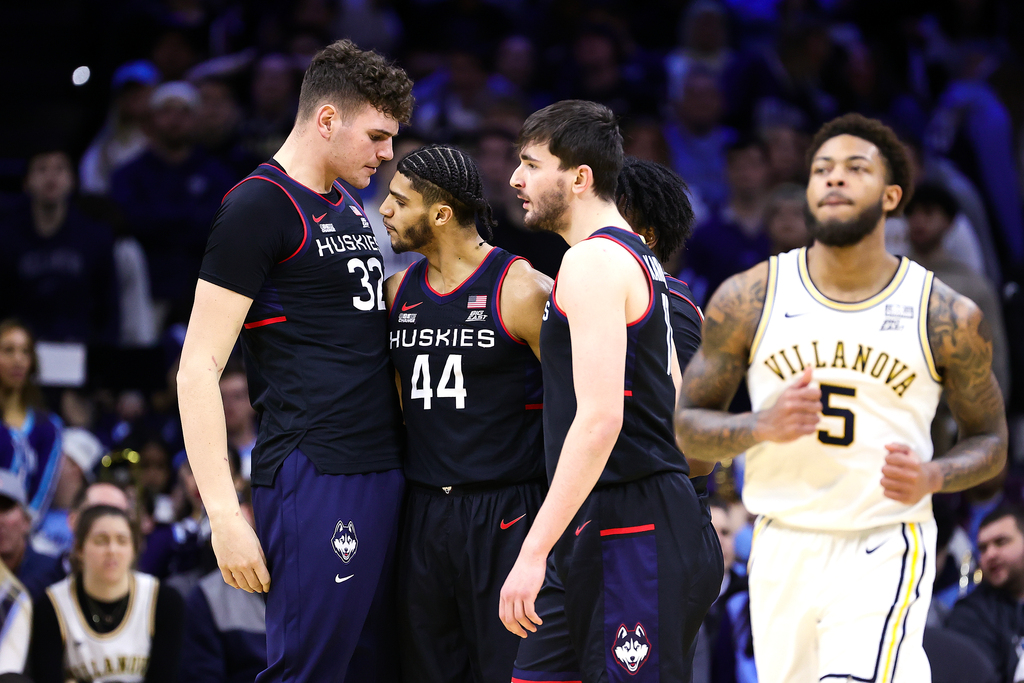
(472, 398)
(630, 580)
(327, 488)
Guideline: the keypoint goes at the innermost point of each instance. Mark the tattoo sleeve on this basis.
(704, 428)
(961, 342)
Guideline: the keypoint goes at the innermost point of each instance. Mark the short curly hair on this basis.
(348, 77)
(894, 154)
(654, 197)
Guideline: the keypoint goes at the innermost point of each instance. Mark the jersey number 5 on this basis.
(452, 384)
(827, 391)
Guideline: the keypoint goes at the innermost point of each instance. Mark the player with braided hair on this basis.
(464, 327)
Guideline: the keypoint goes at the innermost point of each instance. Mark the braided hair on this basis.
(442, 173)
(654, 199)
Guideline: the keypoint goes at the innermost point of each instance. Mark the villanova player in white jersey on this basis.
(846, 350)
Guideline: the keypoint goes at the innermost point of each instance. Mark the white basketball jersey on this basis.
(879, 385)
(121, 656)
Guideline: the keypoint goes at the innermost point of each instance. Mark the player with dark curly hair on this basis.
(846, 350)
(465, 342)
(292, 265)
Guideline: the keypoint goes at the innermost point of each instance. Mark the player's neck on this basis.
(104, 591)
(852, 273)
(303, 162)
(452, 258)
(590, 214)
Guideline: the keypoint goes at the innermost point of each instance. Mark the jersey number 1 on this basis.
(452, 384)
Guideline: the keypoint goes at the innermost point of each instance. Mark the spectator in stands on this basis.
(930, 214)
(451, 102)
(218, 126)
(15, 622)
(733, 238)
(82, 453)
(704, 43)
(991, 616)
(273, 107)
(155, 479)
(696, 139)
(57, 265)
(238, 413)
(35, 570)
(106, 622)
(122, 139)
(785, 218)
(225, 637)
(169, 196)
(29, 435)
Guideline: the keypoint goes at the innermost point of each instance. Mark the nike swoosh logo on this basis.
(504, 524)
(338, 579)
(794, 315)
(317, 219)
(580, 527)
(875, 548)
(407, 307)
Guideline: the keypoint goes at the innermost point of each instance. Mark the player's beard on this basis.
(414, 238)
(840, 233)
(549, 213)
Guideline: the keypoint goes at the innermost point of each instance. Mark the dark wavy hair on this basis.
(83, 527)
(31, 395)
(442, 173)
(653, 197)
(579, 133)
(894, 154)
(348, 77)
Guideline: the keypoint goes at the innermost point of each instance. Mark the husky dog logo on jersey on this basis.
(345, 541)
(631, 648)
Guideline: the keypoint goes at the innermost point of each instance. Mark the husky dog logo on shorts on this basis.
(631, 648)
(345, 542)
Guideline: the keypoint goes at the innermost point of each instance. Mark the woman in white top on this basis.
(105, 622)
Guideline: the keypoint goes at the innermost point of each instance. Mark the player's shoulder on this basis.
(596, 254)
(745, 290)
(393, 283)
(732, 315)
(525, 281)
(957, 329)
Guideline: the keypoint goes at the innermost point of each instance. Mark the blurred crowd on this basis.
(102, 232)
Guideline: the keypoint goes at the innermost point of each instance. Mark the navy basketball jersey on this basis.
(471, 392)
(646, 444)
(315, 337)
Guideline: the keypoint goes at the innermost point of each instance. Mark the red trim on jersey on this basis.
(695, 306)
(426, 279)
(627, 392)
(534, 406)
(627, 530)
(337, 184)
(497, 302)
(401, 284)
(305, 227)
(554, 299)
(643, 267)
(341, 198)
(265, 321)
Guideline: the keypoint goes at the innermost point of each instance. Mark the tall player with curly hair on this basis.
(292, 265)
(846, 350)
(465, 341)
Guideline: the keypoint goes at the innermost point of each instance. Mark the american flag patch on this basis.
(477, 301)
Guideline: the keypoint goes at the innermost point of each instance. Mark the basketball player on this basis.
(618, 570)
(292, 263)
(846, 350)
(465, 338)
(653, 199)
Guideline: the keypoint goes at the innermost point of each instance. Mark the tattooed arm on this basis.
(704, 428)
(961, 342)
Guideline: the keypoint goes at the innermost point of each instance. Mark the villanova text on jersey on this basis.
(471, 392)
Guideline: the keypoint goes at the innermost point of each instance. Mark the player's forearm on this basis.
(973, 460)
(585, 452)
(713, 435)
(205, 432)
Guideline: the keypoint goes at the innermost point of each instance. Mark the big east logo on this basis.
(345, 542)
(631, 648)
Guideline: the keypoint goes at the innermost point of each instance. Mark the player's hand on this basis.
(795, 413)
(239, 555)
(516, 606)
(905, 478)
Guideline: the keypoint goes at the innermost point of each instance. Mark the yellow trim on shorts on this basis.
(922, 327)
(766, 310)
(759, 524)
(905, 607)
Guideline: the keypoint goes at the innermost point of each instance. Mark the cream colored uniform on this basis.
(840, 575)
(121, 656)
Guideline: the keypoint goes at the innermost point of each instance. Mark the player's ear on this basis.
(442, 214)
(326, 120)
(583, 180)
(891, 197)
